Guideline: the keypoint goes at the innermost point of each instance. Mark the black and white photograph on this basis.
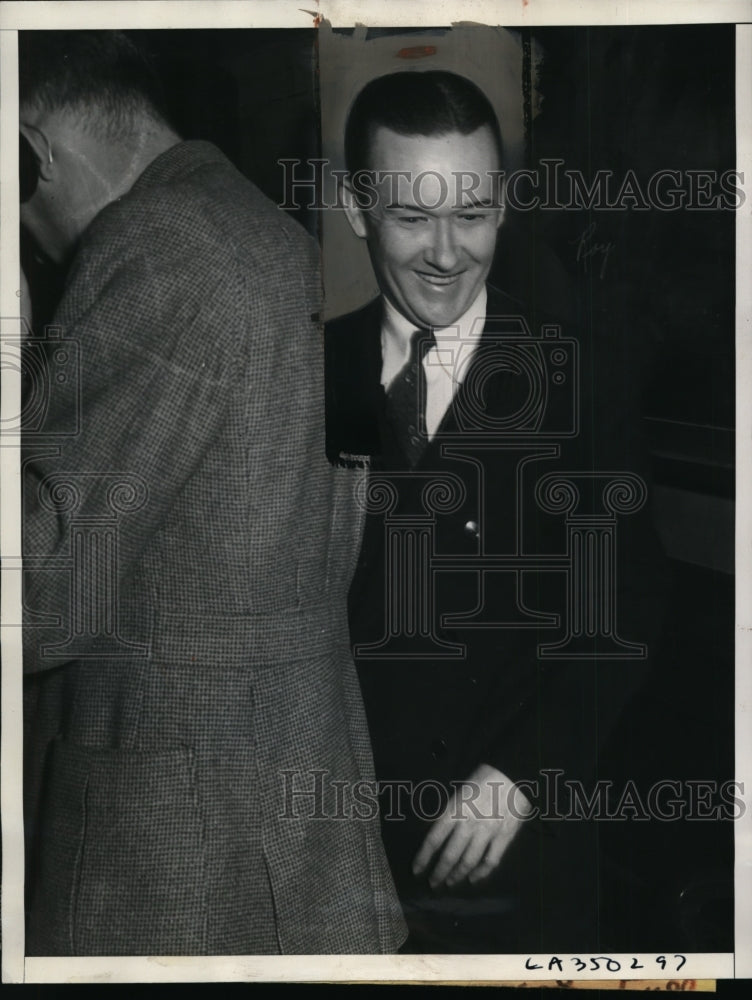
(374, 573)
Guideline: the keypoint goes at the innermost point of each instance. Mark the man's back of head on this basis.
(103, 75)
(92, 114)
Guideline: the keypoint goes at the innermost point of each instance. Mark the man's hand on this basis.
(469, 839)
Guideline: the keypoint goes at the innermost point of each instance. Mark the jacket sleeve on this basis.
(154, 351)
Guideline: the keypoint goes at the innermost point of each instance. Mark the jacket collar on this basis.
(182, 158)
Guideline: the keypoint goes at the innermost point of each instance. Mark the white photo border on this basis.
(228, 14)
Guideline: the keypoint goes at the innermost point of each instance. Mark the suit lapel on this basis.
(354, 391)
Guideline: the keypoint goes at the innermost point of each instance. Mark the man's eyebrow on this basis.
(478, 203)
(398, 206)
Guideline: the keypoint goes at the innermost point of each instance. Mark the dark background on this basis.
(650, 99)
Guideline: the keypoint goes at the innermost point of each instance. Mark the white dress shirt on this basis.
(445, 364)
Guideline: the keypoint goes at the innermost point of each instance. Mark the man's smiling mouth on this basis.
(440, 280)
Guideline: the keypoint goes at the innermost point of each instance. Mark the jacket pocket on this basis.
(122, 860)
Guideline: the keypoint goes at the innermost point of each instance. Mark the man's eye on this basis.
(471, 217)
(412, 219)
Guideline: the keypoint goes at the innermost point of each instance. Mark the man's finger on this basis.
(491, 859)
(451, 852)
(435, 837)
(471, 857)
(481, 872)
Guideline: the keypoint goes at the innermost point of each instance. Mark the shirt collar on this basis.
(397, 331)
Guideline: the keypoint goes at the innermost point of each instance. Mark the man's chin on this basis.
(440, 318)
(441, 310)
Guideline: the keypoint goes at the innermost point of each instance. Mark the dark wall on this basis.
(642, 99)
(662, 309)
(252, 92)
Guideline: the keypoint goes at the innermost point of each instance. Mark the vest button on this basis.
(471, 529)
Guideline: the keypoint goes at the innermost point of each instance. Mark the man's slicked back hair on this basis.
(104, 75)
(427, 103)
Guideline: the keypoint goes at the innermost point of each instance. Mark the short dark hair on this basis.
(105, 74)
(430, 102)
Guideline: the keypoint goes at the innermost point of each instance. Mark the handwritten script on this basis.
(588, 249)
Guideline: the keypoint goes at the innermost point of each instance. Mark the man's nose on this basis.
(442, 252)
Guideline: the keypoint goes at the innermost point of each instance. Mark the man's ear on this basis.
(353, 211)
(41, 147)
(501, 193)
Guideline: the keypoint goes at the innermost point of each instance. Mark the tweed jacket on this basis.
(191, 695)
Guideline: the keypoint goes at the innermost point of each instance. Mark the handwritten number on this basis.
(596, 963)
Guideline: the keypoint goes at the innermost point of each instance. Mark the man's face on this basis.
(432, 232)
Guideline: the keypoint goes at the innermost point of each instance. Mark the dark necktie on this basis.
(405, 403)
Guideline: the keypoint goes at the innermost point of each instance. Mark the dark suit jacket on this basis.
(500, 702)
(160, 736)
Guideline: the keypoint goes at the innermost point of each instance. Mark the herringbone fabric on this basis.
(164, 755)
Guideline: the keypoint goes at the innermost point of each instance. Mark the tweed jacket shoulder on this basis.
(188, 551)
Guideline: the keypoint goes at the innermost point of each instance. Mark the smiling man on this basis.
(424, 156)
(462, 402)
(432, 230)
